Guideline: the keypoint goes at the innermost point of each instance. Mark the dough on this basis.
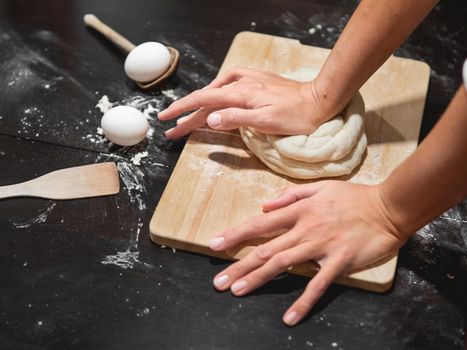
(334, 149)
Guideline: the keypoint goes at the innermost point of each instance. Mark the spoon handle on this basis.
(17, 190)
(92, 21)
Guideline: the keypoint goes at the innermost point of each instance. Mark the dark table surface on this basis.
(84, 274)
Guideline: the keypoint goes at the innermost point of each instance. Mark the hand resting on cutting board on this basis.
(324, 223)
(245, 97)
(342, 226)
(345, 226)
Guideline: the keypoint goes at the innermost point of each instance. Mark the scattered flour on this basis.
(149, 110)
(126, 259)
(136, 159)
(97, 138)
(150, 133)
(132, 178)
(170, 93)
(312, 30)
(39, 219)
(104, 104)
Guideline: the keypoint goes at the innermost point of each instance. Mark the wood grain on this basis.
(217, 183)
(85, 181)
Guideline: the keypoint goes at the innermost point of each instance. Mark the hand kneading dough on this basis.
(334, 149)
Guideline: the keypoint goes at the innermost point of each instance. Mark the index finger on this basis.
(234, 74)
(209, 98)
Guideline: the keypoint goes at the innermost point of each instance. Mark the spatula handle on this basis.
(17, 190)
(92, 21)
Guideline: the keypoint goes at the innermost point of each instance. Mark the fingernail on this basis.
(291, 318)
(221, 280)
(238, 286)
(216, 243)
(214, 119)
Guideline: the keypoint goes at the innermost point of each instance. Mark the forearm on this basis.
(375, 30)
(434, 178)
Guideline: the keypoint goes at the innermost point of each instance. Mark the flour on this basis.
(136, 159)
(132, 178)
(39, 219)
(150, 133)
(104, 104)
(97, 138)
(125, 260)
(150, 110)
(170, 93)
(33, 119)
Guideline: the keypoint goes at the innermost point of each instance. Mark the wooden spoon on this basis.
(79, 182)
(92, 21)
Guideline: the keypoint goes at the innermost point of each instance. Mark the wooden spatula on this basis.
(78, 182)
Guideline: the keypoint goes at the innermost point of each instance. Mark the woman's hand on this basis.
(342, 226)
(244, 97)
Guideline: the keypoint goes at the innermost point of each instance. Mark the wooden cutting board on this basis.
(217, 183)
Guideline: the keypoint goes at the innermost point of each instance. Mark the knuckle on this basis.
(231, 236)
(233, 115)
(194, 95)
(232, 96)
(345, 255)
(281, 261)
(257, 223)
(269, 121)
(233, 72)
(237, 270)
(263, 252)
(304, 303)
(245, 80)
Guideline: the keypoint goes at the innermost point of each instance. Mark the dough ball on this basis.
(124, 125)
(147, 62)
(334, 149)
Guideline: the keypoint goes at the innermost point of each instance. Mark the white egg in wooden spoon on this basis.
(148, 64)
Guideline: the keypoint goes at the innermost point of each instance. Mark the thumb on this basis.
(233, 118)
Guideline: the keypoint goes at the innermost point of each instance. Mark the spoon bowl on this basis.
(127, 46)
(174, 59)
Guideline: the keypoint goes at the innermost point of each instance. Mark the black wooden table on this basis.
(84, 274)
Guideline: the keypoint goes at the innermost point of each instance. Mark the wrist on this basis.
(394, 213)
(327, 98)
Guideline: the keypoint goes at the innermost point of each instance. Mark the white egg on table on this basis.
(124, 125)
(147, 61)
